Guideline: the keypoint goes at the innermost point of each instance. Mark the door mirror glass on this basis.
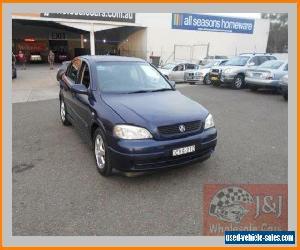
(79, 89)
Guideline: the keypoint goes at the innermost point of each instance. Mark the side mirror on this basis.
(251, 64)
(173, 84)
(79, 89)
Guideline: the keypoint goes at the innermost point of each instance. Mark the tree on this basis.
(278, 35)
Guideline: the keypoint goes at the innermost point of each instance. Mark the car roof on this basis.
(96, 59)
(255, 54)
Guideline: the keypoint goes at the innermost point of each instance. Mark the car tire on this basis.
(63, 113)
(238, 82)
(206, 80)
(101, 153)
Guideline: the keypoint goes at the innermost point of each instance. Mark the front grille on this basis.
(215, 70)
(174, 129)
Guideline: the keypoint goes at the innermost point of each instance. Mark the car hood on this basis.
(151, 110)
(165, 71)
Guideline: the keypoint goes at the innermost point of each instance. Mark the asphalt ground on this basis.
(58, 191)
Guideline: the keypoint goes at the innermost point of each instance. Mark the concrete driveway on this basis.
(58, 191)
(35, 83)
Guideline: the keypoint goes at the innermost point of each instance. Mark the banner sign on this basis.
(187, 21)
(98, 16)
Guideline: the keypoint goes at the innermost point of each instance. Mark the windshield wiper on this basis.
(158, 90)
(147, 91)
(139, 91)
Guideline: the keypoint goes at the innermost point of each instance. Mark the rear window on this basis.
(272, 64)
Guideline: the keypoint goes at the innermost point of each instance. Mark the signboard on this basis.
(98, 16)
(187, 21)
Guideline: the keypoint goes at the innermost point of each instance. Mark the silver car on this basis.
(202, 73)
(176, 71)
(233, 71)
(267, 75)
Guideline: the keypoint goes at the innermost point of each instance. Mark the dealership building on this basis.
(167, 36)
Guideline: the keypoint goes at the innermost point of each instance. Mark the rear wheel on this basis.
(101, 154)
(63, 114)
(238, 82)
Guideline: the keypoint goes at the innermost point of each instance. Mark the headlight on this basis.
(228, 71)
(131, 132)
(209, 122)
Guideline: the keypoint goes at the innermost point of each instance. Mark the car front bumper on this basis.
(151, 155)
(262, 82)
(227, 78)
(195, 78)
(284, 88)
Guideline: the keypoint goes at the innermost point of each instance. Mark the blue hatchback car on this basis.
(134, 117)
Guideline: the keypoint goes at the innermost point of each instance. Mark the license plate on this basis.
(185, 150)
(214, 78)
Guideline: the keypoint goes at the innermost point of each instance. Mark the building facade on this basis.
(168, 36)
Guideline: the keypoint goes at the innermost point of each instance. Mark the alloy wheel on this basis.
(238, 82)
(62, 111)
(100, 151)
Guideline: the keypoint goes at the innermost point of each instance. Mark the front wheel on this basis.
(63, 114)
(206, 80)
(101, 154)
(238, 82)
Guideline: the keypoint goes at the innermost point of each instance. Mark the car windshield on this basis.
(237, 61)
(272, 64)
(129, 77)
(209, 65)
(169, 66)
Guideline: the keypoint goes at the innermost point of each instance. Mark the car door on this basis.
(67, 81)
(82, 102)
(177, 74)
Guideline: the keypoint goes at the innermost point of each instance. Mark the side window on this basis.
(179, 67)
(85, 75)
(254, 60)
(73, 70)
(190, 66)
(262, 59)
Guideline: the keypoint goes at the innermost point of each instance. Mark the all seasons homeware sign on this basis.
(212, 23)
(99, 16)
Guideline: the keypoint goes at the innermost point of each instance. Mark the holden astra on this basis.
(134, 118)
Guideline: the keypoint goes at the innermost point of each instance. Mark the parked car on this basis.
(62, 69)
(35, 57)
(134, 117)
(209, 59)
(202, 73)
(284, 86)
(234, 70)
(267, 75)
(176, 71)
